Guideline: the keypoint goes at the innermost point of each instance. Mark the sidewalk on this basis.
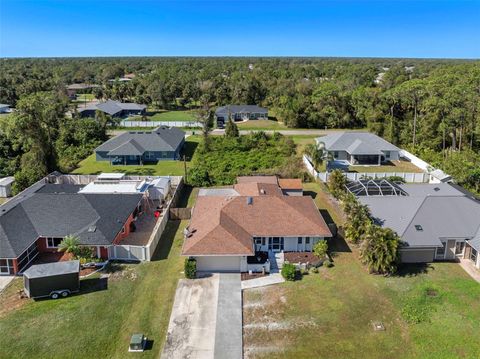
(468, 267)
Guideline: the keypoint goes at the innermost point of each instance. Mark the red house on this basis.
(39, 219)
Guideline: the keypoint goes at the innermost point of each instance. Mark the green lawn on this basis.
(330, 314)
(187, 115)
(162, 168)
(261, 125)
(98, 324)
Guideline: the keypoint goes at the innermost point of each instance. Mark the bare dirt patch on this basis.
(265, 330)
(301, 257)
(11, 298)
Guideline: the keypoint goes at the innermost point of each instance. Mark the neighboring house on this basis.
(6, 186)
(434, 221)
(73, 89)
(5, 108)
(359, 148)
(139, 147)
(239, 113)
(114, 109)
(39, 219)
(231, 228)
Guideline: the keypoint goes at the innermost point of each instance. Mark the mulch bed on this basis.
(246, 276)
(45, 257)
(301, 257)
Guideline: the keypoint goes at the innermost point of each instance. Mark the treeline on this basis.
(38, 139)
(421, 105)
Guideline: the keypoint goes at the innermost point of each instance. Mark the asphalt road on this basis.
(311, 132)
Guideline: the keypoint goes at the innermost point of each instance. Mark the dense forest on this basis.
(430, 107)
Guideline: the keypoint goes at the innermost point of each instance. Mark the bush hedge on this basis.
(289, 271)
(190, 268)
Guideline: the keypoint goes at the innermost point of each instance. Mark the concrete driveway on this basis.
(206, 319)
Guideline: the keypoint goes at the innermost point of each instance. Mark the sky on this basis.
(343, 28)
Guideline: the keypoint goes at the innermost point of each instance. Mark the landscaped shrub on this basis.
(190, 268)
(289, 271)
(320, 249)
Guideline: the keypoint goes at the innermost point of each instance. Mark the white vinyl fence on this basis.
(409, 177)
(193, 124)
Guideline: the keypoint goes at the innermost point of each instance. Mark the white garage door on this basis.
(218, 264)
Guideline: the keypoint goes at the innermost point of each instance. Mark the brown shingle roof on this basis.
(226, 226)
(290, 183)
(257, 189)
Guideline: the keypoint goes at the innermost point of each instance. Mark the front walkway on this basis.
(274, 278)
(468, 267)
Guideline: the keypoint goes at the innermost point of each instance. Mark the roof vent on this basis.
(262, 191)
(436, 189)
(249, 201)
(92, 229)
(419, 228)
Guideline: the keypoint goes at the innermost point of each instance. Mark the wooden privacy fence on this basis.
(180, 213)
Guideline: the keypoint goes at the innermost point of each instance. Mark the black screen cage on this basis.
(377, 187)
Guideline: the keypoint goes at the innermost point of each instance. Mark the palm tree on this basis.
(379, 250)
(317, 153)
(70, 244)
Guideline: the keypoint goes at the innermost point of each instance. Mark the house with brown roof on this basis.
(234, 230)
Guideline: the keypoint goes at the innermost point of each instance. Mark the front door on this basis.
(275, 244)
(459, 248)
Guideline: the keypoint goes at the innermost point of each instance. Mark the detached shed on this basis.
(52, 279)
(159, 188)
(6, 186)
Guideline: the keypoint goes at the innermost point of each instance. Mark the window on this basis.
(148, 155)
(387, 154)
(164, 154)
(300, 241)
(133, 157)
(307, 240)
(473, 255)
(54, 242)
(258, 240)
(335, 154)
(263, 241)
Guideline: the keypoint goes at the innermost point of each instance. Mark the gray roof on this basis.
(81, 86)
(356, 143)
(224, 110)
(440, 209)
(475, 242)
(50, 213)
(112, 107)
(217, 192)
(51, 269)
(137, 142)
